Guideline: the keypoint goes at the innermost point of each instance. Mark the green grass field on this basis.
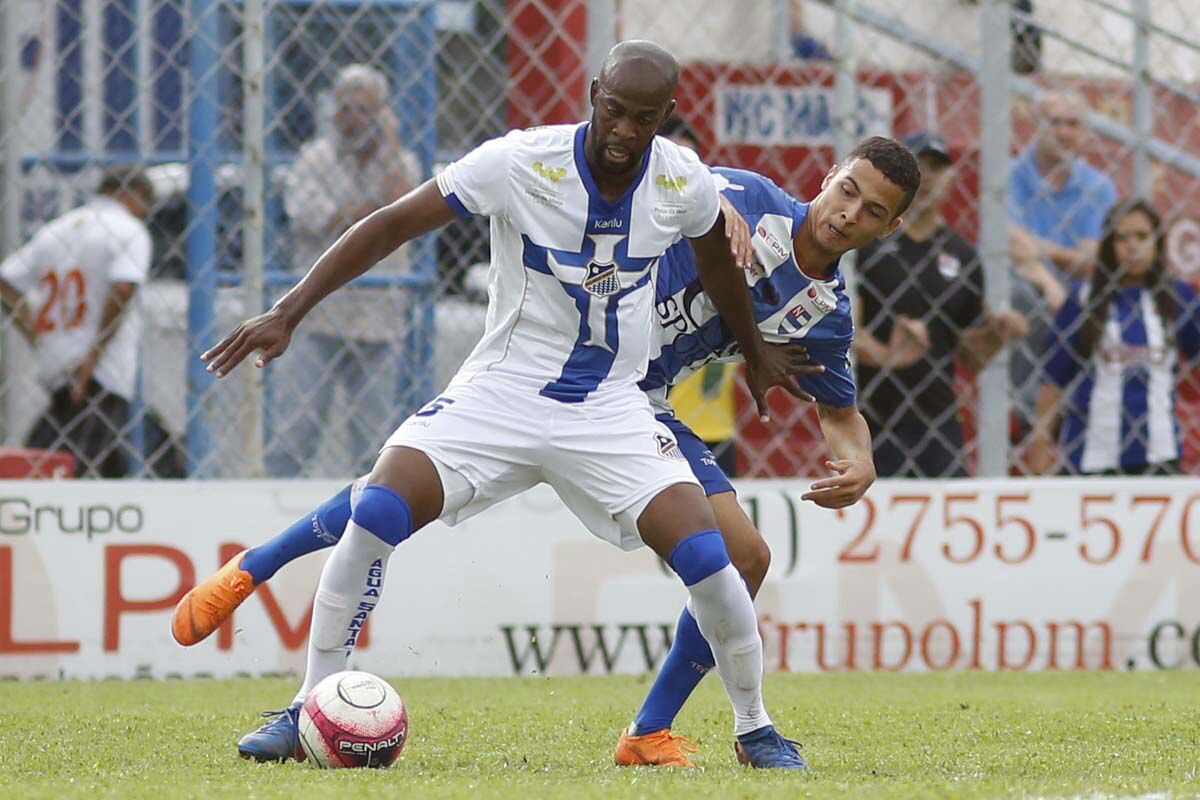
(963, 735)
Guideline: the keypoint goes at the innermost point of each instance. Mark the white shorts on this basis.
(490, 439)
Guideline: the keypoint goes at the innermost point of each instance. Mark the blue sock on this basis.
(688, 661)
(316, 531)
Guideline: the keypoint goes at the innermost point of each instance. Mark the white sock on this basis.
(725, 614)
(350, 587)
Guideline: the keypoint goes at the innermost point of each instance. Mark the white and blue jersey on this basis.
(549, 394)
(571, 284)
(788, 304)
(1119, 407)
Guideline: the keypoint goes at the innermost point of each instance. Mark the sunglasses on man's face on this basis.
(360, 109)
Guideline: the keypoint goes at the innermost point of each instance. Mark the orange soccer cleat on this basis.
(205, 607)
(657, 749)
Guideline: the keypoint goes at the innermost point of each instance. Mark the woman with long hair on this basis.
(1113, 355)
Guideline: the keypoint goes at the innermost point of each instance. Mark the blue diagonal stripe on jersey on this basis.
(589, 278)
(589, 363)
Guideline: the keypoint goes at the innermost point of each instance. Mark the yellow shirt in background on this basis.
(704, 402)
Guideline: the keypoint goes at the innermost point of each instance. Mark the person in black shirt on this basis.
(920, 304)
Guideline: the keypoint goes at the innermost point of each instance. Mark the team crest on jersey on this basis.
(601, 280)
(667, 447)
(798, 318)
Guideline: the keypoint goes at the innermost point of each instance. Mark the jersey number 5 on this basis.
(65, 305)
(434, 406)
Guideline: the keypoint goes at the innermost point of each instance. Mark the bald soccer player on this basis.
(580, 216)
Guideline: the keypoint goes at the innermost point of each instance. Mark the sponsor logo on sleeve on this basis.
(552, 174)
(671, 184)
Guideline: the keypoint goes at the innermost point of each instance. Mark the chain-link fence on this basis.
(266, 128)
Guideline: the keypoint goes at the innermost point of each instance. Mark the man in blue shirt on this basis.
(1057, 204)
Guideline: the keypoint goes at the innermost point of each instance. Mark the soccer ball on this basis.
(353, 719)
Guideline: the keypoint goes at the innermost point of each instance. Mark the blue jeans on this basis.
(302, 392)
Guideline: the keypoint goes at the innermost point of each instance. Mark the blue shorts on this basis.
(699, 457)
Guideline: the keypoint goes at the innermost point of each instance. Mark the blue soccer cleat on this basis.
(766, 749)
(278, 740)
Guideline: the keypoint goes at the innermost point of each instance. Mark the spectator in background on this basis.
(921, 304)
(1113, 354)
(1057, 204)
(705, 401)
(358, 340)
(1026, 39)
(805, 46)
(72, 293)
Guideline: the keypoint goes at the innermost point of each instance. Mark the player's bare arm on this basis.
(849, 440)
(366, 243)
(16, 305)
(981, 343)
(725, 285)
(738, 234)
(737, 231)
(119, 295)
(1042, 453)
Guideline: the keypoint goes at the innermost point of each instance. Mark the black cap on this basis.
(925, 142)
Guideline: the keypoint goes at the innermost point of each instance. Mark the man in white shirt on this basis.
(71, 292)
(580, 216)
(355, 339)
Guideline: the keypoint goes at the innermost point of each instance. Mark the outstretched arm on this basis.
(366, 243)
(357, 250)
(119, 295)
(849, 440)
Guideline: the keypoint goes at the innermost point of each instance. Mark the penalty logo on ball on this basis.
(360, 747)
(353, 719)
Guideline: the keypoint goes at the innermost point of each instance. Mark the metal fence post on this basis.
(417, 103)
(10, 221)
(203, 135)
(601, 36)
(254, 204)
(845, 80)
(1143, 109)
(994, 143)
(845, 110)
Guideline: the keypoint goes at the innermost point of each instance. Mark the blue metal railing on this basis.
(203, 158)
(191, 128)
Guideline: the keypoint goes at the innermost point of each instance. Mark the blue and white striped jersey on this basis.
(571, 283)
(1119, 407)
(788, 304)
